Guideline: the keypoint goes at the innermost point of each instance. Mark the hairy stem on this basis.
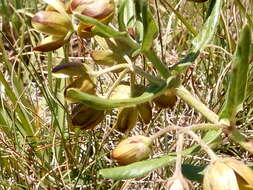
(184, 94)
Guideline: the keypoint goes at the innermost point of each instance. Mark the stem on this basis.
(203, 126)
(203, 145)
(160, 66)
(180, 143)
(107, 70)
(151, 78)
(116, 83)
(184, 94)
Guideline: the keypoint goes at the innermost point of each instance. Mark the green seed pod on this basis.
(85, 117)
(132, 149)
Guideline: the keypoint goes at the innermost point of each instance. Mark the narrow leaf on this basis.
(126, 15)
(137, 169)
(149, 25)
(238, 78)
(208, 29)
(193, 173)
(150, 30)
(204, 36)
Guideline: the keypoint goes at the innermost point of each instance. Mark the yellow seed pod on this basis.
(106, 57)
(132, 149)
(228, 173)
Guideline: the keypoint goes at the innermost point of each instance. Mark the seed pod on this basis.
(132, 149)
(85, 117)
(50, 43)
(122, 91)
(84, 84)
(51, 22)
(106, 57)
(228, 173)
(166, 100)
(145, 112)
(126, 119)
(64, 70)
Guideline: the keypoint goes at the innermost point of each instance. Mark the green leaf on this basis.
(149, 25)
(142, 168)
(193, 173)
(204, 36)
(150, 30)
(100, 29)
(137, 169)
(238, 78)
(208, 29)
(126, 14)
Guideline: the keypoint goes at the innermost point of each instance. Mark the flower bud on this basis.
(178, 183)
(98, 9)
(166, 100)
(228, 173)
(51, 22)
(132, 149)
(102, 10)
(85, 117)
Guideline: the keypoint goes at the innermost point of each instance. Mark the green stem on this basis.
(184, 94)
(149, 77)
(160, 66)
